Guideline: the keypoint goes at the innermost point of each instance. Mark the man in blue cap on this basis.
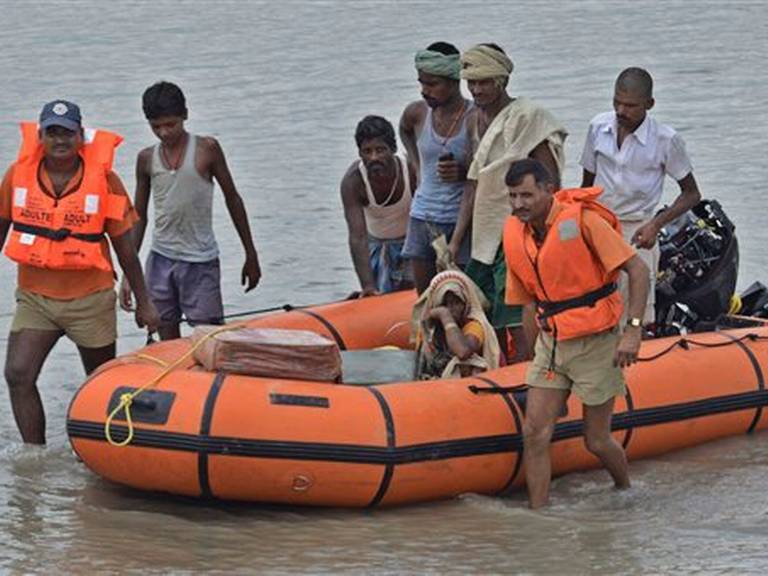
(59, 202)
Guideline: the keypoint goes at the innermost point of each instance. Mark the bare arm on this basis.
(141, 202)
(464, 218)
(357, 230)
(645, 236)
(410, 120)
(141, 197)
(251, 273)
(629, 345)
(459, 344)
(5, 225)
(587, 178)
(467, 205)
(543, 154)
(146, 314)
(530, 327)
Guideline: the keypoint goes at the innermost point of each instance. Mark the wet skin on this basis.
(377, 156)
(531, 202)
(60, 144)
(436, 90)
(630, 109)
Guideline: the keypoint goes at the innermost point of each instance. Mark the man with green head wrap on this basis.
(433, 132)
(502, 129)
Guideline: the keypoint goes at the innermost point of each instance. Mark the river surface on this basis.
(282, 85)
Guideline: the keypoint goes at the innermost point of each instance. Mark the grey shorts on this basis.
(421, 234)
(185, 290)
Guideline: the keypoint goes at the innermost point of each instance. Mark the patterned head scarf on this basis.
(482, 62)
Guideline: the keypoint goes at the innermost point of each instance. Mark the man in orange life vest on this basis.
(564, 251)
(60, 200)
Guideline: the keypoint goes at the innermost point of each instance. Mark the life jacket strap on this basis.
(56, 235)
(548, 308)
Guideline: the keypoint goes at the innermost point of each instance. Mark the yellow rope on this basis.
(127, 399)
(735, 304)
(162, 363)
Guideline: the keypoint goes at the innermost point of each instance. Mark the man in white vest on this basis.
(376, 192)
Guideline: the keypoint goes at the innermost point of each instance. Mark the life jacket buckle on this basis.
(60, 234)
(543, 322)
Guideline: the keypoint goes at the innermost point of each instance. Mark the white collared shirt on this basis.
(633, 176)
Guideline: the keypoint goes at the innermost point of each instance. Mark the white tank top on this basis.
(387, 222)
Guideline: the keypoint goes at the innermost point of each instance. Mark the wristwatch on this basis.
(634, 322)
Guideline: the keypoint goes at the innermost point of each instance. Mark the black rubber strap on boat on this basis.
(518, 426)
(498, 389)
(331, 328)
(205, 431)
(309, 451)
(389, 469)
(549, 308)
(758, 373)
(55, 235)
(425, 452)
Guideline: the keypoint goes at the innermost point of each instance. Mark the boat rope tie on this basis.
(157, 361)
(127, 399)
(686, 343)
(254, 312)
(282, 307)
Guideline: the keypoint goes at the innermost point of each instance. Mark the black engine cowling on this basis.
(698, 269)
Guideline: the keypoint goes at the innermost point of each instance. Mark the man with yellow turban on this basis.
(502, 129)
(434, 133)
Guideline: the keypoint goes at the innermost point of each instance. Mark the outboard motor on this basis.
(698, 269)
(754, 301)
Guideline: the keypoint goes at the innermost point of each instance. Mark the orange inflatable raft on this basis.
(234, 437)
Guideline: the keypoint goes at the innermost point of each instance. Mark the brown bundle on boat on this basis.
(269, 352)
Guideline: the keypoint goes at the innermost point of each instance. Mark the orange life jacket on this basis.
(63, 233)
(574, 294)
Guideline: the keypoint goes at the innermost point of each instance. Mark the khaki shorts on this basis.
(90, 321)
(583, 365)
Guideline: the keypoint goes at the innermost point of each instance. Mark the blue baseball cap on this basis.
(61, 113)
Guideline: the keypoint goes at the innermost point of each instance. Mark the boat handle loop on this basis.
(127, 399)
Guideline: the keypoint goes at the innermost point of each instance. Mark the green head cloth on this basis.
(445, 65)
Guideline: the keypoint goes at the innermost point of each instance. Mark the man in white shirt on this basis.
(628, 154)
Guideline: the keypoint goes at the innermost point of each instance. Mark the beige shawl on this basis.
(513, 134)
(460, 284)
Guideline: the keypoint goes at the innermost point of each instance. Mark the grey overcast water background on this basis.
(282, 85)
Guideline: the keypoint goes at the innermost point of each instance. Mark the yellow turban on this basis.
(482, 62)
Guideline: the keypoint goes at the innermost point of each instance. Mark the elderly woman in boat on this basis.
(454, 337)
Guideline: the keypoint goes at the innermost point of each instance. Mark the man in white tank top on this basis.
(183, 273)
(376, 194)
